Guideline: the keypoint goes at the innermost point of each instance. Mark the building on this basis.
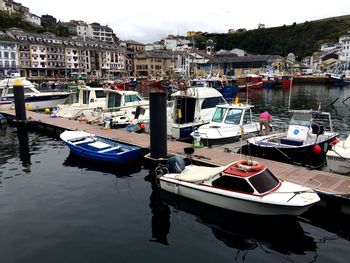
(33, 19)
(46, 55)
(236, 51)
(261, 26)
(197, 60)
(134, 46)
(12, 6)
(153, 63)
(8, 55)
(100, 33)
(238, 66)
(48, 19)
(344, 42)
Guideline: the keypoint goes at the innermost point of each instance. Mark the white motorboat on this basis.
(244, 186)
(306, 141)
(338, 157)
(34, 99)
(88, 98)
(229, 123)
(191, 108)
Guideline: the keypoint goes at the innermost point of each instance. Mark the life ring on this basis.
(249, 166)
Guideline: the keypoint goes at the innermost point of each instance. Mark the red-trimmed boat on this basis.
(244, 186)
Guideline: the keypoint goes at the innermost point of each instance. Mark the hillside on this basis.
(8, 20)
(301, 39)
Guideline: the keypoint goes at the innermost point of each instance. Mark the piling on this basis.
(20, 108)
(158, 125)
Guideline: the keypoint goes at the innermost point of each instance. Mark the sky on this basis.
(147, 21)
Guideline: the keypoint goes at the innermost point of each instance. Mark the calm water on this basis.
(55, 208)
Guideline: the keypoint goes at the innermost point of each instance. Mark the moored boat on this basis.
(33, 98)
(338, 157)
(95, 148)
(244, 186)
(306, 141)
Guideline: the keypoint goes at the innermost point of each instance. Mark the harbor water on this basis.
(55, 207)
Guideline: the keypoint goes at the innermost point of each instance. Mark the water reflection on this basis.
(24, 153)
(119, 171)
(280, 235)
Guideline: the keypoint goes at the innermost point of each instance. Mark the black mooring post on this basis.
(158, 129)
(18, 92)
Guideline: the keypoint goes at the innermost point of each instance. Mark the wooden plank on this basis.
(329, 182)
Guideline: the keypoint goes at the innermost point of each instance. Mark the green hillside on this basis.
(8, 20)
(301, 39)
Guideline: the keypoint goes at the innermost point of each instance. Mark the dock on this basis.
(325, 182)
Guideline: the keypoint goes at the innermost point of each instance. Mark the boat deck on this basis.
(328, 182)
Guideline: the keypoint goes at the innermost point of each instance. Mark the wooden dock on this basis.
(327, 183)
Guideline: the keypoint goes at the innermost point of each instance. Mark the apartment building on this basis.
(12, 6)
(152, 64)
(48, 55)
(8, 54)
(344, 42)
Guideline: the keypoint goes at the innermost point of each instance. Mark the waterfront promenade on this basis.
(327, 183)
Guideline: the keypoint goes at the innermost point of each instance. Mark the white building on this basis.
(33, 19)
(8, 55)
(344, 42)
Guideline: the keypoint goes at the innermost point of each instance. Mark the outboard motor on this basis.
(176, 164)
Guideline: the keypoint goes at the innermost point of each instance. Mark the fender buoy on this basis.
(249, 166)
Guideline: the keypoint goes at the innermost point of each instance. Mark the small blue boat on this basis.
(95, 148)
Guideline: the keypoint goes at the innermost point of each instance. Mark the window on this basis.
(212, 102)
(100, 94)
(265, 181)
(234, 184)
(132, 98)
(113, 100)
(219, 114)
(233, 116)
(247, 117)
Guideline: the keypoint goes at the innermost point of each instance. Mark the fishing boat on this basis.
(338, 157)
(33, 98)
(191, 108)
(244, 186)
(306, 141)
(229, 123)
(88, 98)
(95, 148)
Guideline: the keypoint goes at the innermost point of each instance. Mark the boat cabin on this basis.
(87, 95)
(123, 98)
(238, 179)
(306, 126)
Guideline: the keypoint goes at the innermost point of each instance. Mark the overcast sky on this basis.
(147, 21)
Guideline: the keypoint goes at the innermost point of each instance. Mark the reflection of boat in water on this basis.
(281, 234)
(119, 171)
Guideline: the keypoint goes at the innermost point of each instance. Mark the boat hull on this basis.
(226, 201)
(302, 155)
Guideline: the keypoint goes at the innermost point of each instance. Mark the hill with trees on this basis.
(16, 19)
(301, 39)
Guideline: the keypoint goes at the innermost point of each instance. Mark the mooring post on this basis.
(20, 108)
(158, 122)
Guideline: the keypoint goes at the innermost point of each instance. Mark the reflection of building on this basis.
(8, 54)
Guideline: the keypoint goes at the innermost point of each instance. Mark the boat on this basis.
(227, 87)
(229, 123)
(88, 98)
(244, 186)
(306, 141)
(91, 147)
(338, 157)
(191, 108)
(33, 98)
(250, 81)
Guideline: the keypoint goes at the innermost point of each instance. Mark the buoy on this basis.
(142, 126)
(47, 110)
(316, 149)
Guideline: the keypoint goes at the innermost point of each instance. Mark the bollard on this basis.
(20, 108)
(158, 122)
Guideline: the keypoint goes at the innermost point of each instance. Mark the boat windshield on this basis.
(233, 116)
(264, 181)
(219, 114)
